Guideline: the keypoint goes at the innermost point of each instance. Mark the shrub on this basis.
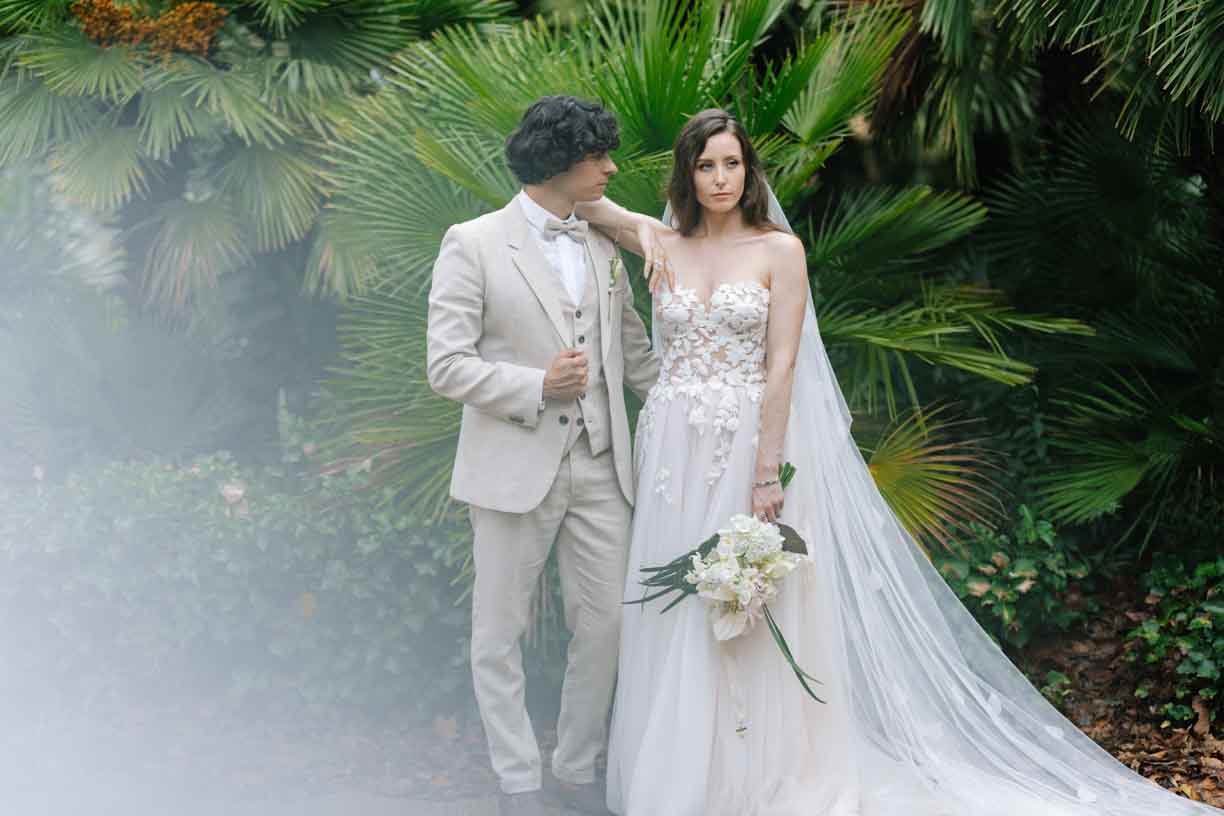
(1178, 647)
(216, 577)
(1017, 585)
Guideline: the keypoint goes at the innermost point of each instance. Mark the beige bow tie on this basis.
(574, 229)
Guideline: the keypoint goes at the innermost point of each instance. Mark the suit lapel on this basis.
(603, 295)
(526, 256)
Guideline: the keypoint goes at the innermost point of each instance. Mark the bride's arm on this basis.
(787, 302)
(640, 234)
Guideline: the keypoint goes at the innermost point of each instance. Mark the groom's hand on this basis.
(566, 378)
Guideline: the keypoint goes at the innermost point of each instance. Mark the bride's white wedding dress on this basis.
(924, 716)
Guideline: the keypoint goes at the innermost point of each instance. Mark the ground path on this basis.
(142, 758)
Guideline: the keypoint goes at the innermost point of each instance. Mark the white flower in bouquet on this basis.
(728, 622)
(736, 572)
(739, 576)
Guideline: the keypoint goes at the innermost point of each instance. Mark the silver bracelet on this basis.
(765, 483)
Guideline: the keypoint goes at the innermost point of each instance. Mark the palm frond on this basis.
(193, 244)
(742, 28)
(658, 67)
(424, 17)
(935, 482)
(951, 22)
(103, 169)
(234, 97)
(355, 35)
(763, 104)
(32, 15)
(952, 326)
(876, 226)
(391, 209)
(846, 81)
(464, 78)
(33, 117)
(1119, 438)
(1164, 55)
(340, 264)
(471, 160)
(844, 66)
(279, 189)
(166, 118)
(399, 430)
(280, 16)
(72, 65)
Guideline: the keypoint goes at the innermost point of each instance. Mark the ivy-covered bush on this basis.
(1020, 584)
(1178, 648)
(215, 577)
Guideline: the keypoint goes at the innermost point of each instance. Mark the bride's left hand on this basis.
(657, 266)
(767, 502)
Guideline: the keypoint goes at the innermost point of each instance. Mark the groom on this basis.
(532, 332)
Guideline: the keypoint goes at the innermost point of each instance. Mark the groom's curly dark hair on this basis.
(556, 133)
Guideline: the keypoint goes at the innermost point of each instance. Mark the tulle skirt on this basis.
(923, 715)
(703, 727)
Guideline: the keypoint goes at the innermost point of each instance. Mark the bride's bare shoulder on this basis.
(784, 248)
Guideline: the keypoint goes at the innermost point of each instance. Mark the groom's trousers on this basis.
(587, 517)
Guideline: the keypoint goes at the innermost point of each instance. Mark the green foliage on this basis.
(85, 373)
(1118, 231)
(932, 479)
(1056, 687)
(1178, 649)
(1164, 58)
(430, 154)
(213, 577)
(1017, 585)
(216, 154)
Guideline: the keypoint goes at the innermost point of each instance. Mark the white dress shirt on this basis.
(566, 254)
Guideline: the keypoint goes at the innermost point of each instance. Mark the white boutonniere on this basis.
(615, 268)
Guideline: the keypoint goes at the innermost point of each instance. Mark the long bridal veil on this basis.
(933, 711)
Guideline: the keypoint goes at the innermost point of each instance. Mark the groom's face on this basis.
(586, 180)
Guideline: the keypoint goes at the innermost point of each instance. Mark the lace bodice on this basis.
(713, 355)
(718, 344)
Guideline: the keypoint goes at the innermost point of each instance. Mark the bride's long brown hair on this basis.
(681, 191)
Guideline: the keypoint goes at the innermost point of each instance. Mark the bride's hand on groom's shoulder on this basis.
(657, 267)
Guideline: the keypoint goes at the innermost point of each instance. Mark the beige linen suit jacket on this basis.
(495, 325)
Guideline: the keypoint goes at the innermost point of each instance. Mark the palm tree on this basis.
(428, 154)
(1138, 410)
(1115, 216)
(973, 69)
(203, 133)
(190, 148)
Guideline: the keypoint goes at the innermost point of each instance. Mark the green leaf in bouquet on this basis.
(792, 542)
(779, 639)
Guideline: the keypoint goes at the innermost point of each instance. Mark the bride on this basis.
(923, 714)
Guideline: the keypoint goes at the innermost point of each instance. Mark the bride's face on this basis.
(718, 176)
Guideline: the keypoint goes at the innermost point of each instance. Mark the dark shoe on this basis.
(522, 804)
(591, 798)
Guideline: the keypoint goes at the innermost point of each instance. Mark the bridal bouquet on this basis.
(736, 571)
